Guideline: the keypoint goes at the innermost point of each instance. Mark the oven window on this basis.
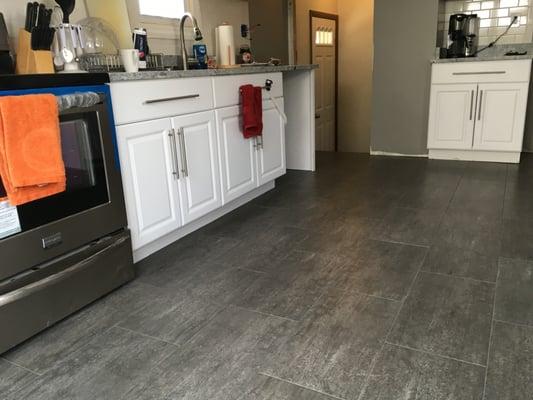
(85, 170)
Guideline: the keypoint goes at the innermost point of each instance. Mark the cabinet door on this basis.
(501, 116)
(199, 168)
(150, 187)
(237, 155)
(451, 116)
(271, 154)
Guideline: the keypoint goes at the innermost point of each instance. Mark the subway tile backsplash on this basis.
(495, 16)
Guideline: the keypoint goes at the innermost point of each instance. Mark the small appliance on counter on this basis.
(463, 36)
(140, 43)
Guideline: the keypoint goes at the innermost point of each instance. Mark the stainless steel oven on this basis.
(58, 250)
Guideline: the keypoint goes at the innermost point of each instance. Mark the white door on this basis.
(197, 151)
(149, 169)
(451, 117)
(237, 155)
(501, 116)
(271, 162)
(323, 54)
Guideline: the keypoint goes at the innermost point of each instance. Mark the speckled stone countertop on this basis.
(482, 58)
(150, 75)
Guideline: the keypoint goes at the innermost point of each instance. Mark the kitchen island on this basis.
(184, 159)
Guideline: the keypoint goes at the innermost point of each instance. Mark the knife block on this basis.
(32, 61)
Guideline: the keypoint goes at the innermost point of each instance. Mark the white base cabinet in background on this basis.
(478, 110)
(184, 170)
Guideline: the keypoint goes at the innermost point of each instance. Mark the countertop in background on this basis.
(149, 75)
(482, 58)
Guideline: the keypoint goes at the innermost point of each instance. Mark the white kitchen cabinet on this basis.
(197, 152)
(501, 116)
(451, 121)
(478, 110)
(271, 153)
(149, 179)
(237, 155)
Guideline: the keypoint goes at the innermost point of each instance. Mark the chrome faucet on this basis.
(197, 36)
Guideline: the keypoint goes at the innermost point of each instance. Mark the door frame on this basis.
(333, 17)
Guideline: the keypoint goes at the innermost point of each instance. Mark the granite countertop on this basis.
(149, 75)
(528, 56)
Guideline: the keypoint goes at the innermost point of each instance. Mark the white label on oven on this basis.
(9, 220)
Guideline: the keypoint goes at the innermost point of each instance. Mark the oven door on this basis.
(91, 207)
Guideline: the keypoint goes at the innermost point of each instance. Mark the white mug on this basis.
(130, 59)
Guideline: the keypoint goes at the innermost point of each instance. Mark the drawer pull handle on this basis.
(189, 96)
(480, 73)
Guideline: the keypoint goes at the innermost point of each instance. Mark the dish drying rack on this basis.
(112, 62)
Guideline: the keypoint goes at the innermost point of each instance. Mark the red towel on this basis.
(252, 111)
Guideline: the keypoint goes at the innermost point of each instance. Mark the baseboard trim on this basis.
(388, 154)
(167, 240)
(508, 157)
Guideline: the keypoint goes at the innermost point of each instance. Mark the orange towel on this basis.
(31, 164)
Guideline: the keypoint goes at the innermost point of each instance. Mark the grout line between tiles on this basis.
(21, 367)
(265, 314)
(435, 354)
(458, 277)
(491, 333)
(301, 386)
(393, 323)
(501, 321)
(145, 335)
(402, 243)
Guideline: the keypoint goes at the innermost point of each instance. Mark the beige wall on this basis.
(355, 74)
(302, 24)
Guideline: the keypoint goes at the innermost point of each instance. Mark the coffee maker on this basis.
(463, 35)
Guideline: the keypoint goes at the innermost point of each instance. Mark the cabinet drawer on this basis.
(147, 100)
(482, 72)
(227, 87)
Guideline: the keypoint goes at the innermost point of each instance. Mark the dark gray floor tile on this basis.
(62, 340)
(448, 316)
(406, 374)
(171, 316)
(479, 197)
(449, 260)
(409, 225)
(289, 288)
(332, 350)
(429, 194)
(266, 388)
(481, 233)
(484, 171)
(511, 363)
(514, 291)
(517, 238)
(224, 357)
(13, 379)
(379, 268)
(342, 236)
(519, 198)
(116, 364)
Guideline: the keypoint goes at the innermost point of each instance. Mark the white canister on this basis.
(130, 59)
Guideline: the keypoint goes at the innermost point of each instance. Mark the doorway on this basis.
(324, 52)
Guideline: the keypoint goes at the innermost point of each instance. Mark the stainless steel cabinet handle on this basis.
(173, 151)
(480, 104)
(471, 105)
(189, 96)
(183, 149)
(480, 73)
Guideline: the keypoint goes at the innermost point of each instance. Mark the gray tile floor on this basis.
(374, 278)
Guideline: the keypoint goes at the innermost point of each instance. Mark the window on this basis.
(324, 36)
(162, 8)
(160, 17)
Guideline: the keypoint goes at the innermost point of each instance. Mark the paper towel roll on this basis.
(225, 46)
